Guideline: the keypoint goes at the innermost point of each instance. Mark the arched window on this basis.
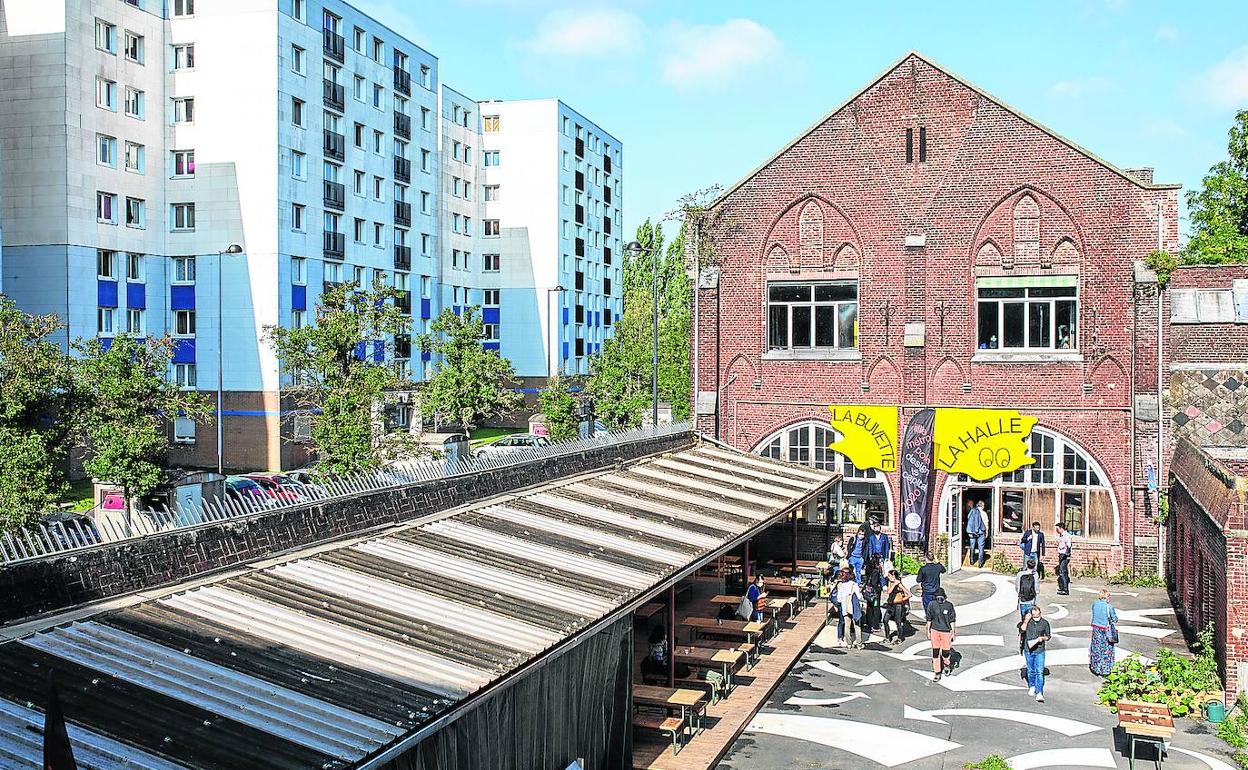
(864, 493)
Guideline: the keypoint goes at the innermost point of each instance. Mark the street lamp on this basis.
(232, 249)
(551, 331)
(634, 250)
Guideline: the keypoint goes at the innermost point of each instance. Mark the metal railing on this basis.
(52, 539)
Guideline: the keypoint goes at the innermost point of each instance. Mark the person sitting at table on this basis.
(655, 663)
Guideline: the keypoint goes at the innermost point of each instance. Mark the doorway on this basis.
(971, 496)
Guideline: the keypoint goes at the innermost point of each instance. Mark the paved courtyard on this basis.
(877, 707)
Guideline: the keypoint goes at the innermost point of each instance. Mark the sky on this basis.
(700, 92)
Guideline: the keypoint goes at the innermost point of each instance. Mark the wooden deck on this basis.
(726, 719)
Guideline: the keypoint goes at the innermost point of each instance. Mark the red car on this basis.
(277, 487)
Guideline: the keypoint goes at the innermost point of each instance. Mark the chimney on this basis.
(1144, 175)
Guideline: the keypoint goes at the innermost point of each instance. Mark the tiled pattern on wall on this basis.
(1209, 406)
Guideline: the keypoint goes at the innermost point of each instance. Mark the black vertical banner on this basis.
(917, 476)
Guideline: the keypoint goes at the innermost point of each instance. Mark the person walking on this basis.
(897, 606)
(977, 532)
(1032, 544)
(1064, 545)
(942, 630)
(929, 579)
(849, 602)
(1104, 634)
(757, 598)
(1036, 632)
(879, 545)
(1025, 584)
(858, 546)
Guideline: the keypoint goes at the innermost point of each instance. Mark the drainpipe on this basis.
(697, 321)
(1161, 423)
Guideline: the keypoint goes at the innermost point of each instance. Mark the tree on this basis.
(469, 383)
(337, 378)
(36, 410)
(1219, 210)
(559, 406)
(127, 402)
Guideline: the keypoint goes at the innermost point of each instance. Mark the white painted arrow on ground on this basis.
(875, 677)
(1063, 758)
(1001, 603)
(923, 649)
(976, 678)
(1059, 614)
(797, 701)
(1155, 633)
(1068, 727)
(889, 746)
(1143, 616)
(1216, 764)
(1086, 590)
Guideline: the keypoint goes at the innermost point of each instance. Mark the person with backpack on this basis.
(942, 630)
(1032, 545)
(1025, 587)
(1064, 546)
(929, 579)
(1036, 632)
(1104, 634)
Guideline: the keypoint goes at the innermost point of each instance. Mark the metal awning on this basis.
(342, 654)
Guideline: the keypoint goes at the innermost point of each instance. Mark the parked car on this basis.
(516, 442)
(244, 490)
(282, 488)
(68, 529)
(309, 481)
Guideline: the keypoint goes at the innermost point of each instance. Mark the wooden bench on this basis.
(1147, 722)
(750, 649)
(671, 726)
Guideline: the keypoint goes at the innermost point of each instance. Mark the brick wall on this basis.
(51, 584)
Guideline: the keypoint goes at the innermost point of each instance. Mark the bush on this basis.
(1176, 681)
(1235, 730)
(907, 564)
(1001, 564)
(1093, 569)
(1124, 577)
(990, 762)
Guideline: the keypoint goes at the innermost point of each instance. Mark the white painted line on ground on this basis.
(1060, 613)
(1086, 590)
(889, 746)
(875, 677)
(923, 649)
(1154, 633)
(797, 701)
(1216, 764)
(1063, 758)
(1000, 604)
(1143, 616)
(1068, 727)
(976, 678)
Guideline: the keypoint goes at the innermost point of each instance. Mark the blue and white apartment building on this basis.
(141, 139)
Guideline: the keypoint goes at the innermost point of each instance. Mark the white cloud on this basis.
(707, 55)
(1226, 83)
(1075, 88)
(591, 33)
(1168, 33)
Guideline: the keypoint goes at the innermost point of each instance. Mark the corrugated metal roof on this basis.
(332, 656)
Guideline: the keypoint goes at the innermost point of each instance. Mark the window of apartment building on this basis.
(424, 244)
(489, 297)
(803, 315)
(357, 275)
(380, 277)
(182, 8)
(136, 157)
(106, 94)
(134, 47)
(379, 188)
(455, 153)
(401, 105)
(184, 323)
(296, 111)
(426, 77)
(298, 164)
(379, 234)
(491, 263)
(331, 22)
(134, 267)
(424, 118)
(490, 332)
(106, 264)
(136, 213)
(296, 216)
(184, 163)
(358, 182)
(424, 161)
(106, 150)
(184, 269)
(358, 135)
(379, 96)
(455, 254)
(134, 321)
(1021, 317)
(106, 208)
(105, 36)
(104, 319)
(1210, 305)
(298, 319)
(183, 216)
(333, 272)
(426, 287)
(379, 145)
(184, 56)
(185, 377)
(467, 153)
(491, 157)
(135, 103)
(299, 270)
(298, 10)
(379, 51)
(457, 187)
(491, 124)
(491, 192)
(491, 227)
(424, 202)
(357, 88)
(467, 190)
(400, 60)
(297, 60)
(184, 109)
(183, 430)
(456, 226)
(357, 230)
(357, 40)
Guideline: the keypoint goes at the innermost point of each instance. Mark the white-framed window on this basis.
(184, 269)
(333, 272)
(297, 211)
(379, 50)
(184, 109)
(299, 270)
(105, 36)
(467, 154)
(135, 103)
(491, 263)
(136, 157)
(357, 88)
(135, 271)
(424, 202)
(863, 494)
(358, 178)
(357, 275)
(134, 47)
(380, 277)
(298, 165)
(296, 111)
(424, 244)
(490, 332)
(299, 10)
(134, 321)
(183, 428)
(491, 192)
(491, 157)
(182, 216)
(491, 124)
(106, 264)
(424, 161)
(298, 319)
(358, 39)
(1027, 315)
(185, 376)
(491, 227)
(106, 94)
(184, 323)
(182, 8)
(184, 56)
(1210, 305)
(490, 297)
(379, 145)
(426, 77)
(379, 234)
(105, 320)
(184, 163)
(297, 57)
(379, 188)
(425, 118)
(106, 208)
(812, 315)
(136, 213)
(106, 150)
(426, 287)
(456, 219)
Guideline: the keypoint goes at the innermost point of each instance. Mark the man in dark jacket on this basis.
(1033, 547)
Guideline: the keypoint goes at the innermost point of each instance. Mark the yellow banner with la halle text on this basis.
(868, 435)
(982, 443)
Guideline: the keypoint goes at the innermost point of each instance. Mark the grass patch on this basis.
(482, 436)
(990, 762)
(1125, 577)
(79, 496)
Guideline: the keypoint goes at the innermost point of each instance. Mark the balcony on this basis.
(335, 46)
(580, 214)
(580, 285)
(580, 148)
(335, 196)
(335, 95)
(606, 193)
(335, 245)
(606, 255)
(403, 301)
(580, 247)
(580, 181)
(606, 163)
(335, 145)
(403, 213)
(402, 257)
(403, 82)
(606, 225)
(403, 125)
(402, 169)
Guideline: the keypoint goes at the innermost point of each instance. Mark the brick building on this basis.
(926, 245)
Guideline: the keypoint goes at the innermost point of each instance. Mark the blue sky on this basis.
(702, 91)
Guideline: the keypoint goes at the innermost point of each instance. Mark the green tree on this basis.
(559, 406)
(36, 410)
(336, 380)
(1219, 209)
(469, 383)
(127, 403)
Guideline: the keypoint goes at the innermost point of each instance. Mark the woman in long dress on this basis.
(1101, 651)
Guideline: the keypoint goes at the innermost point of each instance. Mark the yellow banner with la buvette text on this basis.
(982, 443)
(868, 435)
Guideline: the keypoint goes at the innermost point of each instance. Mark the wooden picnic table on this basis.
(690, 703)
(1147, 722)
(775, 605)
(801, 588)
(804, 566)
(733, 629)
(710, 657)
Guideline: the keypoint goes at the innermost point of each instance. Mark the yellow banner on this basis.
(868, 435)
(982, 443)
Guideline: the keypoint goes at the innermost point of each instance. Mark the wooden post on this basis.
(671, 636)
(794, 529)
(827, 525)
(745, 565)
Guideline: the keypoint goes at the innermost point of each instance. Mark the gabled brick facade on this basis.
(981, 193)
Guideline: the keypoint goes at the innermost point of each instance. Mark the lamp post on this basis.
(551, 331)
(634, 250)
(232, 249)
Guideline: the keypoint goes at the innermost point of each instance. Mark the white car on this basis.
(516, 442)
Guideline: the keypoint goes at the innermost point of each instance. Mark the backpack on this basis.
(1027, 587)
